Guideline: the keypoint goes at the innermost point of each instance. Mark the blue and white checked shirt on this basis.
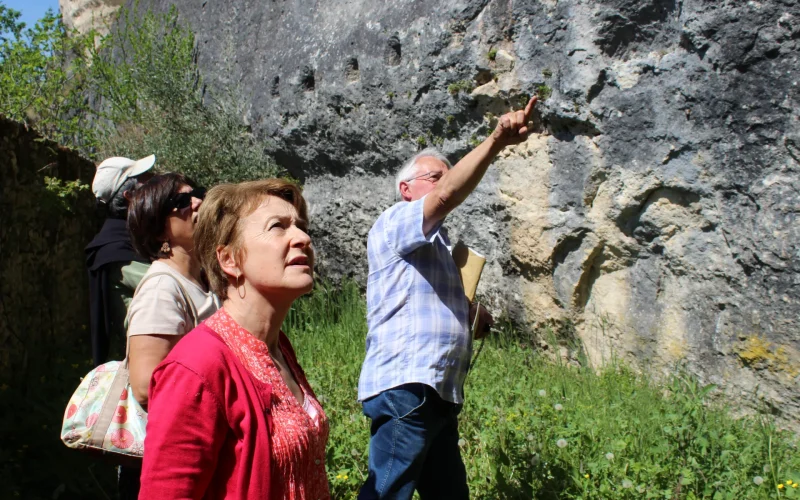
(417, 313)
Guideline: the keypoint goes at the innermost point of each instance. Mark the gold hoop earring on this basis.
(165, 248)
(244, 290)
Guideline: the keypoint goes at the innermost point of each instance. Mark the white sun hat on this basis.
(114, 171)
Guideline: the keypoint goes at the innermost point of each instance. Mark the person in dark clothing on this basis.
(115, 270)
(114, 267)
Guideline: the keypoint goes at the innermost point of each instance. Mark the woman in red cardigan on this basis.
(231, 413)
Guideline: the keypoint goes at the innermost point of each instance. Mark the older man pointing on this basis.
(419, 343)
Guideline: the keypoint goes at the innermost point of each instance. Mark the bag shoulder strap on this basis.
(184, 294)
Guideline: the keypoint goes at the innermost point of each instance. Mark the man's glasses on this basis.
(428, 176)
(181, 201)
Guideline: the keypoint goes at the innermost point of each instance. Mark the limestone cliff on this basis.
(85, 15)
(656, 207)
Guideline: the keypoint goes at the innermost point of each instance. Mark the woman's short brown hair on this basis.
(219, 216)
(149, 209)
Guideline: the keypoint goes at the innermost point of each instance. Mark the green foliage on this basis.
(65, 193)
(547, 73)
(145, 92)
(465, 86)
(422, 141)
(544, 92)
(631, 437)
(154, 96)
(492, 54)
(42, 77)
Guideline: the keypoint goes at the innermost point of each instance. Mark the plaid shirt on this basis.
(417, 313)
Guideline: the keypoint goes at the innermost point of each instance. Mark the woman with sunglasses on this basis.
(232, 413)
(161, 219)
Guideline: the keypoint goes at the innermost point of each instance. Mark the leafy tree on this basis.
(131, 93)
(42, 77)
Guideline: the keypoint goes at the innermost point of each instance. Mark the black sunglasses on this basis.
(184, 200)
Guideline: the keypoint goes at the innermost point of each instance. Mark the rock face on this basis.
(84, 15)
(655, 209)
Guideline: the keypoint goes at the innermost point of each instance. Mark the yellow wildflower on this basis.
(586, 476)
(788, 482)
(780, 486)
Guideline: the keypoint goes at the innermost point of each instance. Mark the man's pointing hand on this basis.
(513, 127)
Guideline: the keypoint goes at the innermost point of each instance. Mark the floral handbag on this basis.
(102, 415)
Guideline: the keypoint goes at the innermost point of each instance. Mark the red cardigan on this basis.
(208, 425)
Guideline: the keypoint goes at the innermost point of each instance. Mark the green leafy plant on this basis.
(544, 92)
(65, 193)
(465, 86)
(492, 54)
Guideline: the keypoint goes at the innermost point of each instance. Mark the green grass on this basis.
(631, 437)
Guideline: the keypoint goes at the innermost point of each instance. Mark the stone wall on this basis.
(655, 209)
(44, 308)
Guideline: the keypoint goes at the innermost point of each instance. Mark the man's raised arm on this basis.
(457, 183)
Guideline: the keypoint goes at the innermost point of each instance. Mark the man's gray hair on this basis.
(409, 168)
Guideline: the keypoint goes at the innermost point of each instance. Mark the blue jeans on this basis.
(414, 445)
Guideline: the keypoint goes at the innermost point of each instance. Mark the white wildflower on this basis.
(561, 443)
(558, 407)
(758, 480)
(609, 456)
(627, 483)
(542, 393)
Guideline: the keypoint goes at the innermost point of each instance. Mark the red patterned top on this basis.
(298, 440)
